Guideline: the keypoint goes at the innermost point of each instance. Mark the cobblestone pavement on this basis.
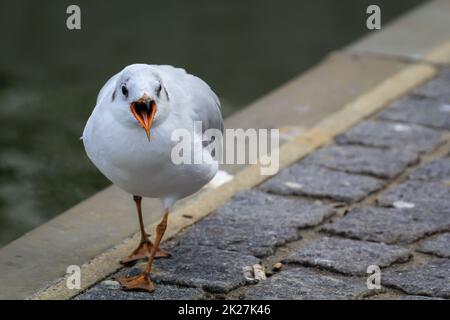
(379, 195)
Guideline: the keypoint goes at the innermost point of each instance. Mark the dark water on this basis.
(49, 76)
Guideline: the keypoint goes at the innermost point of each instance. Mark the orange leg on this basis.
(145, 246)
(143, 281)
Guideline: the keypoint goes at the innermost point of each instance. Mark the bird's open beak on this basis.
(144, 111)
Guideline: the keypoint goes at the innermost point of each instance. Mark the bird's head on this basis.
(141, 92)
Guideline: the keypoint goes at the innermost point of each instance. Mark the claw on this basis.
(143, 252)
(139, 282)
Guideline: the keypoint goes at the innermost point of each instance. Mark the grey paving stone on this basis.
(436, 88)
(388, 225)
(265, 208)
(162, 292)
(348, 256)
(256, 222)
(245, 238)
(307, 284)
(431, 196)
(430, 279)
(424, 111)
(316, 181)
(438, 170)
(204, 267)
(439, 246)
(383, 163)
(376, 133)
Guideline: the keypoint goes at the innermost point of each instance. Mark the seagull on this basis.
(128, 138)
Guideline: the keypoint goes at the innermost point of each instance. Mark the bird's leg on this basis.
(145, 245)
(143, 281)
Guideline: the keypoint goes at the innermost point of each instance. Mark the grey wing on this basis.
(208, 111)
(207, 105)
(209, 114)
(105, 91)
(108, 88)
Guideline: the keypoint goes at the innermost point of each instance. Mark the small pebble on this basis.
(248, 273)
(259, 272)
(403, 205)
(111, 284)
(293, 185)
(254, 273)
(277, 266)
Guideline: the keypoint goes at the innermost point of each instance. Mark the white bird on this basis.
(128, 138)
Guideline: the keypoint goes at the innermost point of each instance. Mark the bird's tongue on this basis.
(145, 118)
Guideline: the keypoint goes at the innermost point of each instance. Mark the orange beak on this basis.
(144, 111)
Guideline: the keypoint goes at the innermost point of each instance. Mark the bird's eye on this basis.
(125, 91)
